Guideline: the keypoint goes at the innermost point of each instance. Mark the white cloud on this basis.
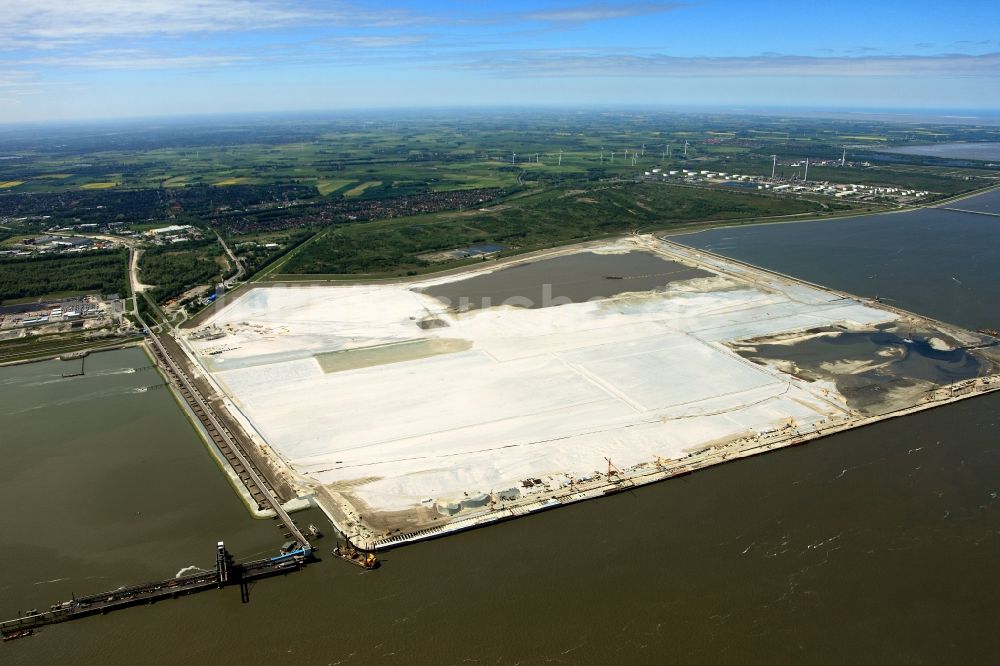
(89, 19)
(15, 84)
(589, 13)
(354, 51)
(577, 63)
(52, 24)
(383, 41)
(42, 23)
(129, 60)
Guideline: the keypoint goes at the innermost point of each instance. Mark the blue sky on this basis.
(77, 59)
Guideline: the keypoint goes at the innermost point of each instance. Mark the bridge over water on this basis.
(227, 572)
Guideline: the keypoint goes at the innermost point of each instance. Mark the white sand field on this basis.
(531, 393)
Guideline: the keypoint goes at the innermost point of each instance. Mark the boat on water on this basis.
(355, 556)
(18, 633)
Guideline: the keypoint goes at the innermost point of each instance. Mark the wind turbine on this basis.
(560, 158)
(843, 157)
(685, 148)
(774, 165)
(513, 156)
(805, 179)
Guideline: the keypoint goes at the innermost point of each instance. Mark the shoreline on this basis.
(347, 279)
(718, 456)
(344, 511)
(714, 453)
(86, 350)
(213, 450)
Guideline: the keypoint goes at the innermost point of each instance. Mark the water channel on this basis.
(877, 545)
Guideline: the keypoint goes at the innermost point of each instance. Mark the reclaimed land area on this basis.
(411, 410)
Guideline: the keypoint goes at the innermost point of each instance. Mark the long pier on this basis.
(260, 488)
(227, 572)
(966, 210)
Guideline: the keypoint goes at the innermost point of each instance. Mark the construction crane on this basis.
(613, 470)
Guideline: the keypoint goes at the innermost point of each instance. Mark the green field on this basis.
(328, 186)
(369, 194)
(391, 247)
(409, 154)
(358, 190)
(235, 180)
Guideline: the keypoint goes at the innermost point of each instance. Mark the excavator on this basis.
(355, 556)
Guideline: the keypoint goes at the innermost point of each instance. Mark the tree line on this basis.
(101, 272)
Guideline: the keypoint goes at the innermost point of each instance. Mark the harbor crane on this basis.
(613, 469)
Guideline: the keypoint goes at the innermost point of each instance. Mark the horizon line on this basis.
(947, 115)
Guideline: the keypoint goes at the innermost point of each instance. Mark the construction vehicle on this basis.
(355, 556)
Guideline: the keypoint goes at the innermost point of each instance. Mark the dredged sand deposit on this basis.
(402, 411)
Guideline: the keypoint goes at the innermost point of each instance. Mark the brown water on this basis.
(104, 485)
(893, 367)
(939, 263)
(878, 545)
(572, 278)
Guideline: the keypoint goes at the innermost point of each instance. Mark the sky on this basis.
(91, 59)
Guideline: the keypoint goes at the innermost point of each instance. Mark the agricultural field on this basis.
(358, 190)
(384, 194)
(334, 156)
(327, 186)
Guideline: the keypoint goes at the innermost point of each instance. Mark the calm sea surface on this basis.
(879, 545)
(986, 150)
(939, 263)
